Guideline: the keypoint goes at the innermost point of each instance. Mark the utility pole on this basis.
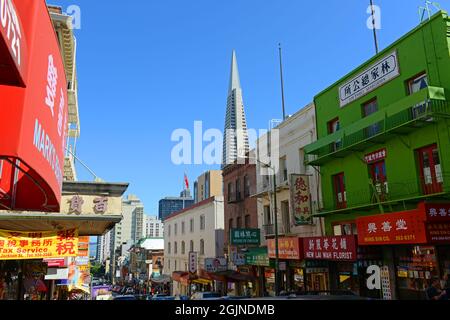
(374, 26)
(277, 253)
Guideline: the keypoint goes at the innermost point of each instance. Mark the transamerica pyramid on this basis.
(235, 141)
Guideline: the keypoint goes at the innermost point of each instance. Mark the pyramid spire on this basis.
(235, 142)
(235, 82)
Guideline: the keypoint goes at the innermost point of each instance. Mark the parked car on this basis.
(206, 296)
(162, 296)
(126, 297)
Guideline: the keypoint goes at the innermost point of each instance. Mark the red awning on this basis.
(229, 276)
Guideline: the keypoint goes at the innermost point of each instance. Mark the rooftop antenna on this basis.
(374, 26)
(427, 10)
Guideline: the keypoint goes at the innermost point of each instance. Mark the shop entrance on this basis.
(317, 281)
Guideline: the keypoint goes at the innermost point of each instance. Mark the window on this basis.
(430, 173)
(414, 85)
(182, 228)
(247, 221)
(239, 223)
(246, 186)
(334, 126)
(379, 179)
(202, 222)
(183, 247)
(369, 108)
(191, 246)
(169, 248)
(238, 189)
(345, 229)
(230, 192)
(267, 216)
(175, 248)
(169, 264)
(202, 247)
(284, 170)
(170, 229)
(175, 267)
(339, 191)
(230, 224)
(191, 222)
(176, 228)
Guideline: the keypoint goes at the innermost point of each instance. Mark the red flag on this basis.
(186, 181)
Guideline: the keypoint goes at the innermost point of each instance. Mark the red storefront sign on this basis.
(13, 46)
(406, 227)
(436, 212)
(375, 156)
(338, 248)
(288, 248)
(33, 120)
(438, 232)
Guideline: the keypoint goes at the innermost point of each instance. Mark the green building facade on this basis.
(384, 139)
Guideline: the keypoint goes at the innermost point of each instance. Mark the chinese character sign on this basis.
(193, 256)
(245, 236)
(375, 156)
(396, 228)
(371, 78)
(436, 212)
(288, 248)
(338, 248)
(300, 200)
(38, 245)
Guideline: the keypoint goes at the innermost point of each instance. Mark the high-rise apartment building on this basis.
(154, 227)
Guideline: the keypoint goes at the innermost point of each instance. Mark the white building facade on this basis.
(199, 229)
(154, 228)
(294, 133)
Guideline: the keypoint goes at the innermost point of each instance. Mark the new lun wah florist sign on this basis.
(379, 73)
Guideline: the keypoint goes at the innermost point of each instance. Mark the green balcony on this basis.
(401, 118)
(390, 194)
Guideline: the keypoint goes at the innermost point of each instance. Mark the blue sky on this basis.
(146, 68)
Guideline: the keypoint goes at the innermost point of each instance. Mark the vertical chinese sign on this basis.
(300, 200)
(38, 245)
(193, 262)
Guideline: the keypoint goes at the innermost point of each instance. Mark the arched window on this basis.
(175, 248)
(202, 247)
(183, 247)
(169, 247)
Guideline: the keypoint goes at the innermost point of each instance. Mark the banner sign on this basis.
(38, 245)
(245, 236)
(257, 257)
(193, 257)
(338, 248)
(215, 264)
(13, 47)
(300, 199)
(375, 156)
(370, 79)
(33, 119)
(288, 248)
(406, 227)
(436, 212)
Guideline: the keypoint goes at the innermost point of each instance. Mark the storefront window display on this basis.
(299, 280)
(348, 276)
(317, 276)
(415, 267)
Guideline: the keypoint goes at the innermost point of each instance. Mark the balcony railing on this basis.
(391, 192)
(406, 116)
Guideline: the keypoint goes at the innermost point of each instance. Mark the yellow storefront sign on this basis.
(16, 245)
